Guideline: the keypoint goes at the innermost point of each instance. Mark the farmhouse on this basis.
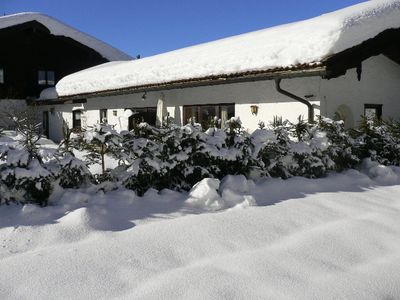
(343, 64)
(37, 51)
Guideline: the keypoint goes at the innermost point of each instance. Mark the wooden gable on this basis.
(30, 47)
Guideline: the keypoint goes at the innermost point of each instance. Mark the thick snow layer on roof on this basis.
(304, 42)
(59, 28)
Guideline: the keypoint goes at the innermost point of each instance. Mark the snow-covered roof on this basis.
(306, 42)
(58, 28)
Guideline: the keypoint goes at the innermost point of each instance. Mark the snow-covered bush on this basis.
(341, 145)
(70, 171)
(70, 141)
(24, 179)
(291, 149)
(228, 150)
(27, 126)
(179, 157)
(378, 140)
(141, 156)
(100, 140)
(23, 176)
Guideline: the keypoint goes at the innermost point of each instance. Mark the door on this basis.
(45, 124)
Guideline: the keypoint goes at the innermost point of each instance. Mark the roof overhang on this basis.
(330, 67)
(295, 72)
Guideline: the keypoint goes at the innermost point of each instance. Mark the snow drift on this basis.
(330, 238)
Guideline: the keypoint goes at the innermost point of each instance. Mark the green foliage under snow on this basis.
(178, 157)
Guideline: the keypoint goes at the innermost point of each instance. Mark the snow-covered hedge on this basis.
(179, 157)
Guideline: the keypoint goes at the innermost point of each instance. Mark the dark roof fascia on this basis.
(47, 102)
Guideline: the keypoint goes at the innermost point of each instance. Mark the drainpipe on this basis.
(297, 98)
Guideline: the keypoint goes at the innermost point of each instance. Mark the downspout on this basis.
(297, 98)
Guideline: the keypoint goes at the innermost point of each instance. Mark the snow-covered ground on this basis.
(330, 238)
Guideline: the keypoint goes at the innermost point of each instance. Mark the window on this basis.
(51, 78)
(103, 115)
(373, 111)
(146, 114)
(42, 78)
(76, 119)
(205, 114)
(1, 75)
(46, 78)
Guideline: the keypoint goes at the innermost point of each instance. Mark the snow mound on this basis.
(48, 94)
(380, 173)
(237, 184)
(58, 28)
(204, 195)
(305, 42)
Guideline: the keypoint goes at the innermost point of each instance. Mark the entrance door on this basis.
(45, 123)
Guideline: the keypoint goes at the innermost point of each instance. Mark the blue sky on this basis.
(149, 27)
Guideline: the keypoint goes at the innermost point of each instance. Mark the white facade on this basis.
(380, 84)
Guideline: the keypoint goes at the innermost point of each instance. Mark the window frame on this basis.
(76, 121)
(46, 77)
(51, 81)
(105, 111)
(148, 115)
(376, 107)
(197, 109)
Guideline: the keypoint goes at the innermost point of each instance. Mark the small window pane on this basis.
(207, 115)
(190, 114)
(231, 111)
(76, 119)
(51, 79)
(41, 77)
(1, 75)
(373, 111)
(103, 115)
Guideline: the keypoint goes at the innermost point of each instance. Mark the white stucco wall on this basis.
(380, 84)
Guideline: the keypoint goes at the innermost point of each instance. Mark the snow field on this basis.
(330, 238)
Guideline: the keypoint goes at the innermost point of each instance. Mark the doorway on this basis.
(45, 124)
